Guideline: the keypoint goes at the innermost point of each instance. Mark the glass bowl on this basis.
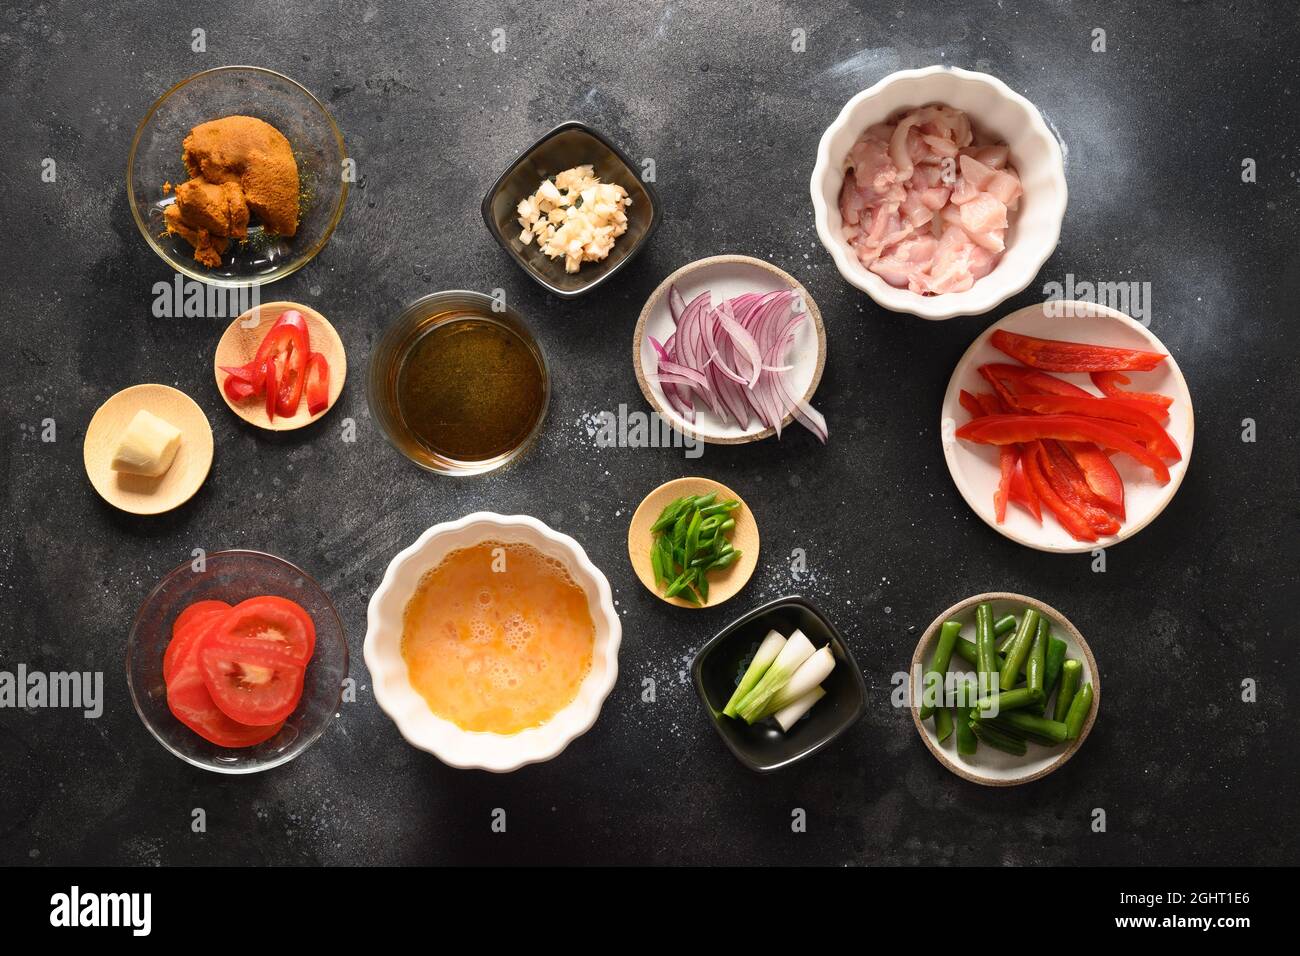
(249, 91)
(233, 576)
(416, 321)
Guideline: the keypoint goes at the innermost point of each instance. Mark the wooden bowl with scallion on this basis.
(693, 542)
(1003, 689)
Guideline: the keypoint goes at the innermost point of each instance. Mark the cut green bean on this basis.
(967, 743)
(948, 632)
(1049, 731)
(1019, 650)
(1038, 656)
(1079, 709)
(1071, 675)
(1055, 658)
(986, 645)
(994, 704)
(943, 723)
(1004, 629)
(999, 740)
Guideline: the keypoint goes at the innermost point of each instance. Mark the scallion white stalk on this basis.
(789, 715)
(811, 673)
(796, 650)
(763, 658)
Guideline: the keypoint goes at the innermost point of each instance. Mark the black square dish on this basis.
(719, 664)
(570, 144)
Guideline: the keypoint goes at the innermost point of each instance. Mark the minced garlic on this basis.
(576, 216)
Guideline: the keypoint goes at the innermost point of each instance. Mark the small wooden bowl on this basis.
(723, 584)
(724, 277)
(990, 767)
(238, 346)
(136, 493)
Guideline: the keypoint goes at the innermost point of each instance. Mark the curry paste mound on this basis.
(241, 168)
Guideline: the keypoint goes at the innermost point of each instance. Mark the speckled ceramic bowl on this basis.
(995, 109)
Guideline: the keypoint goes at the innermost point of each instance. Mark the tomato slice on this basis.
(186, 629)
(191, 703)
(273, 622)
(251, 682)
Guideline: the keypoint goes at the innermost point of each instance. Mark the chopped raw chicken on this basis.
(924, 205)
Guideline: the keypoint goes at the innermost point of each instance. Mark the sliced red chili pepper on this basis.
(1009, 429)
(270, 390)
(1099, 474)
(237, 389)
(1153, 436)
(1022, 492)
(285, 349)
(1070, 520)
(1067, 481)
(1054, 355)
(318, 383)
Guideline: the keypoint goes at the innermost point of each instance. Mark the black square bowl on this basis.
(720, 663)
(570, 144)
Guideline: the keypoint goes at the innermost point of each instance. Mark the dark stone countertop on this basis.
(1156, 128)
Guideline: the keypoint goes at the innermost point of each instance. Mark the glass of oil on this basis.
(458, 384)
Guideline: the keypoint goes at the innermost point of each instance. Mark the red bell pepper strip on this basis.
(1008, 455)
(1009, 429)
(1070, 520)
(318, 383)
(1100, 475)
(1110, 382)
(1152, 435)
(1068, 482)
(1022, 492)
(1023, 380)
(1054, 355)
(970, 402)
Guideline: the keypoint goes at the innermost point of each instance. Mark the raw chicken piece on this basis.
(906, 260)
(923, 205)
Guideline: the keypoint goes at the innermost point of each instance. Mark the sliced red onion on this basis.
(734, 358)
(676, 304)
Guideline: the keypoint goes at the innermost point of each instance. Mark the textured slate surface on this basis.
(1156, 128)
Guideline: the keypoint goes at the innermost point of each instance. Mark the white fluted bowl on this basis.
(442, 738)
(995, 109)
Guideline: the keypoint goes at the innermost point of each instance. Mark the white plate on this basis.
(975, 467)
(994, 768)
(725, 277)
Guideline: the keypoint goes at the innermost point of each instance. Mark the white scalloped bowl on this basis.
(994, 109)
(400, 701)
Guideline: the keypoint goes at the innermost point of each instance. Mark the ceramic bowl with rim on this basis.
(155, 158)
(234, 576)
(974, 468)
(995, 110)
(717, 668)
(425, 730)
(987, 766)
(724, 277)
(570, 144)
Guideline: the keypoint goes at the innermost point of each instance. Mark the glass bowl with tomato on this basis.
(236, 661)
